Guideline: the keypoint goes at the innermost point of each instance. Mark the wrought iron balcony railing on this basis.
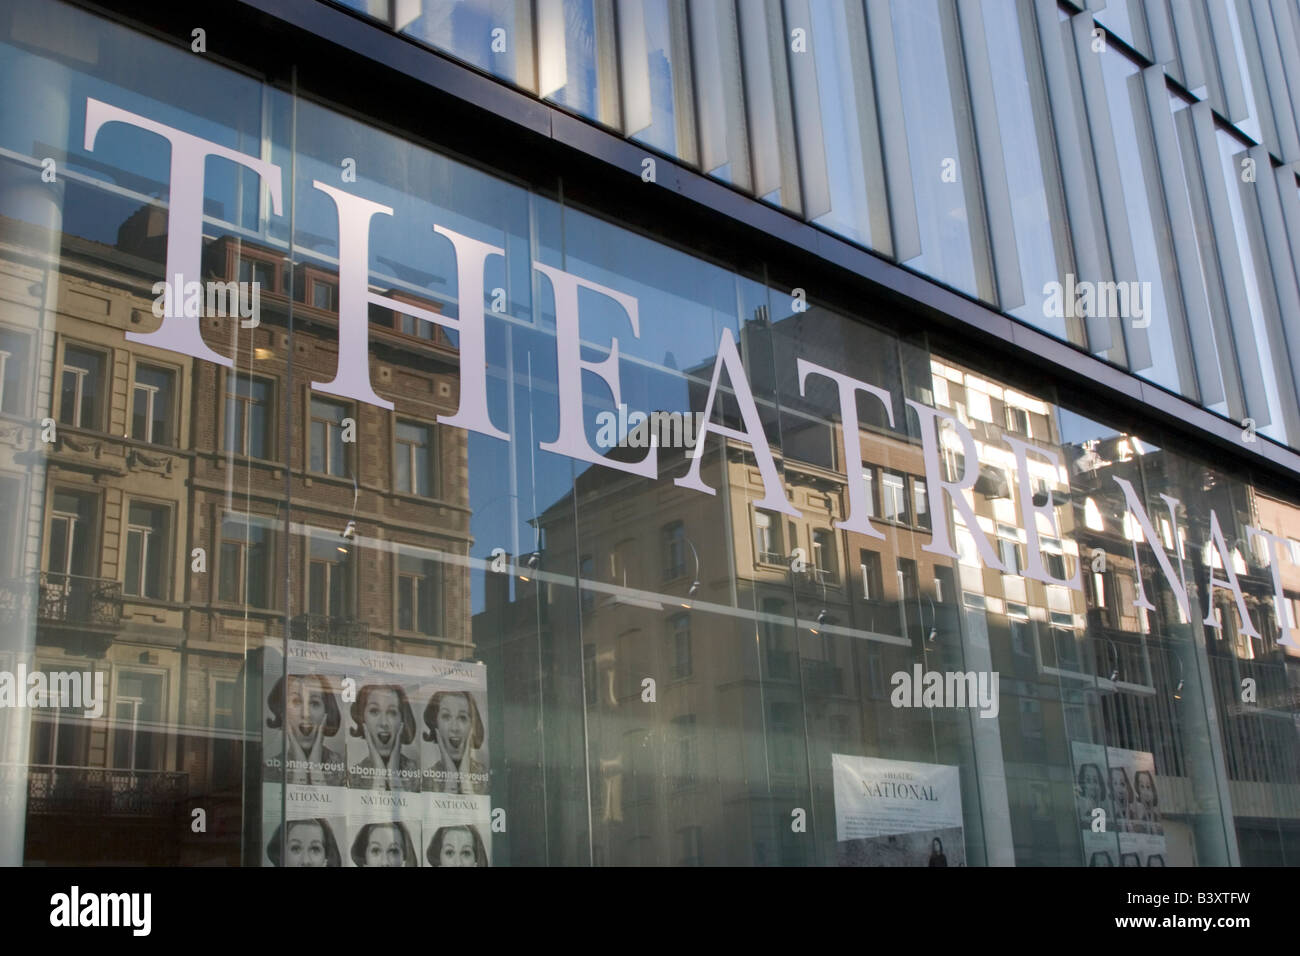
(94, 791)
(78, 601)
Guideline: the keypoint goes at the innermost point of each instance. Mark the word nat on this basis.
(181, 333)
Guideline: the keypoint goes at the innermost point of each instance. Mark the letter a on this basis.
(774, 498)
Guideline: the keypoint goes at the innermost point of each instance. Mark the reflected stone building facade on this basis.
(906, 463)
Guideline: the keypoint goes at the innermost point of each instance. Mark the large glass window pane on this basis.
(1028, 153)
(1146, 224)
(493, 35)
(937, 121)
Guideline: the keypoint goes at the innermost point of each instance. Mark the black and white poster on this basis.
(381, 760)
(1117, 802)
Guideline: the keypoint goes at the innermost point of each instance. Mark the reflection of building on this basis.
(163, 535)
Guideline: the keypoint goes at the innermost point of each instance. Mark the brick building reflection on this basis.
(152, 538)
(764, 667)
(762, 671)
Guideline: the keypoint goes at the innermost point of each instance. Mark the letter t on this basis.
(184, 219)
(851, 441)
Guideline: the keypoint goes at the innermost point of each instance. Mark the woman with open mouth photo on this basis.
(454, 724)
(308, 711)
(382, 716)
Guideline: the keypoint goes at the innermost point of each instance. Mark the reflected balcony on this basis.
(325, 629)
(68, 600)
(90, 792)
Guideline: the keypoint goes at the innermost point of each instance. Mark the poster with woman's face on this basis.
(1090, 791)
(313, 830)
(382, 749)
(453, 749)
(303, 741)
(387, 759)
(382, 842)
(1117, 798)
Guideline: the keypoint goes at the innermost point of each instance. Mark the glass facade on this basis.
(329, 509)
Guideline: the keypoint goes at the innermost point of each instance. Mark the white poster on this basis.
(897, 813)
(387, 760)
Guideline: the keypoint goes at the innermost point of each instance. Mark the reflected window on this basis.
(780, 657)
(686, 754)
(908, 582)
(248, 416)
(893, 497)
(783, 737)
(944, 588)
(71, 548)
(60, 735)
(328, 456)
(1021, 638)
(872, 582)
(415, 458)
(324, 295)
(226, 765)
(256, 270)
(674, 550)
(869, 476)
(1054, 563)
(767, 537)
(146, 551)
(245, 576)
(824, 555)
(13, 371)
(679, 639)
(151, 405)
(1009, 553)
(1018, 420)
(921, 502)
(329, 576)
(419, 595)
(81, 399)
(10, 491)
(1092, 516)
(138, 714)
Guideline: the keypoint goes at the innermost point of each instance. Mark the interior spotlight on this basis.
(934, 633)
(1178, 691)
(531, 563)
(695, 586)
(1114, 673)
(822, 615)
